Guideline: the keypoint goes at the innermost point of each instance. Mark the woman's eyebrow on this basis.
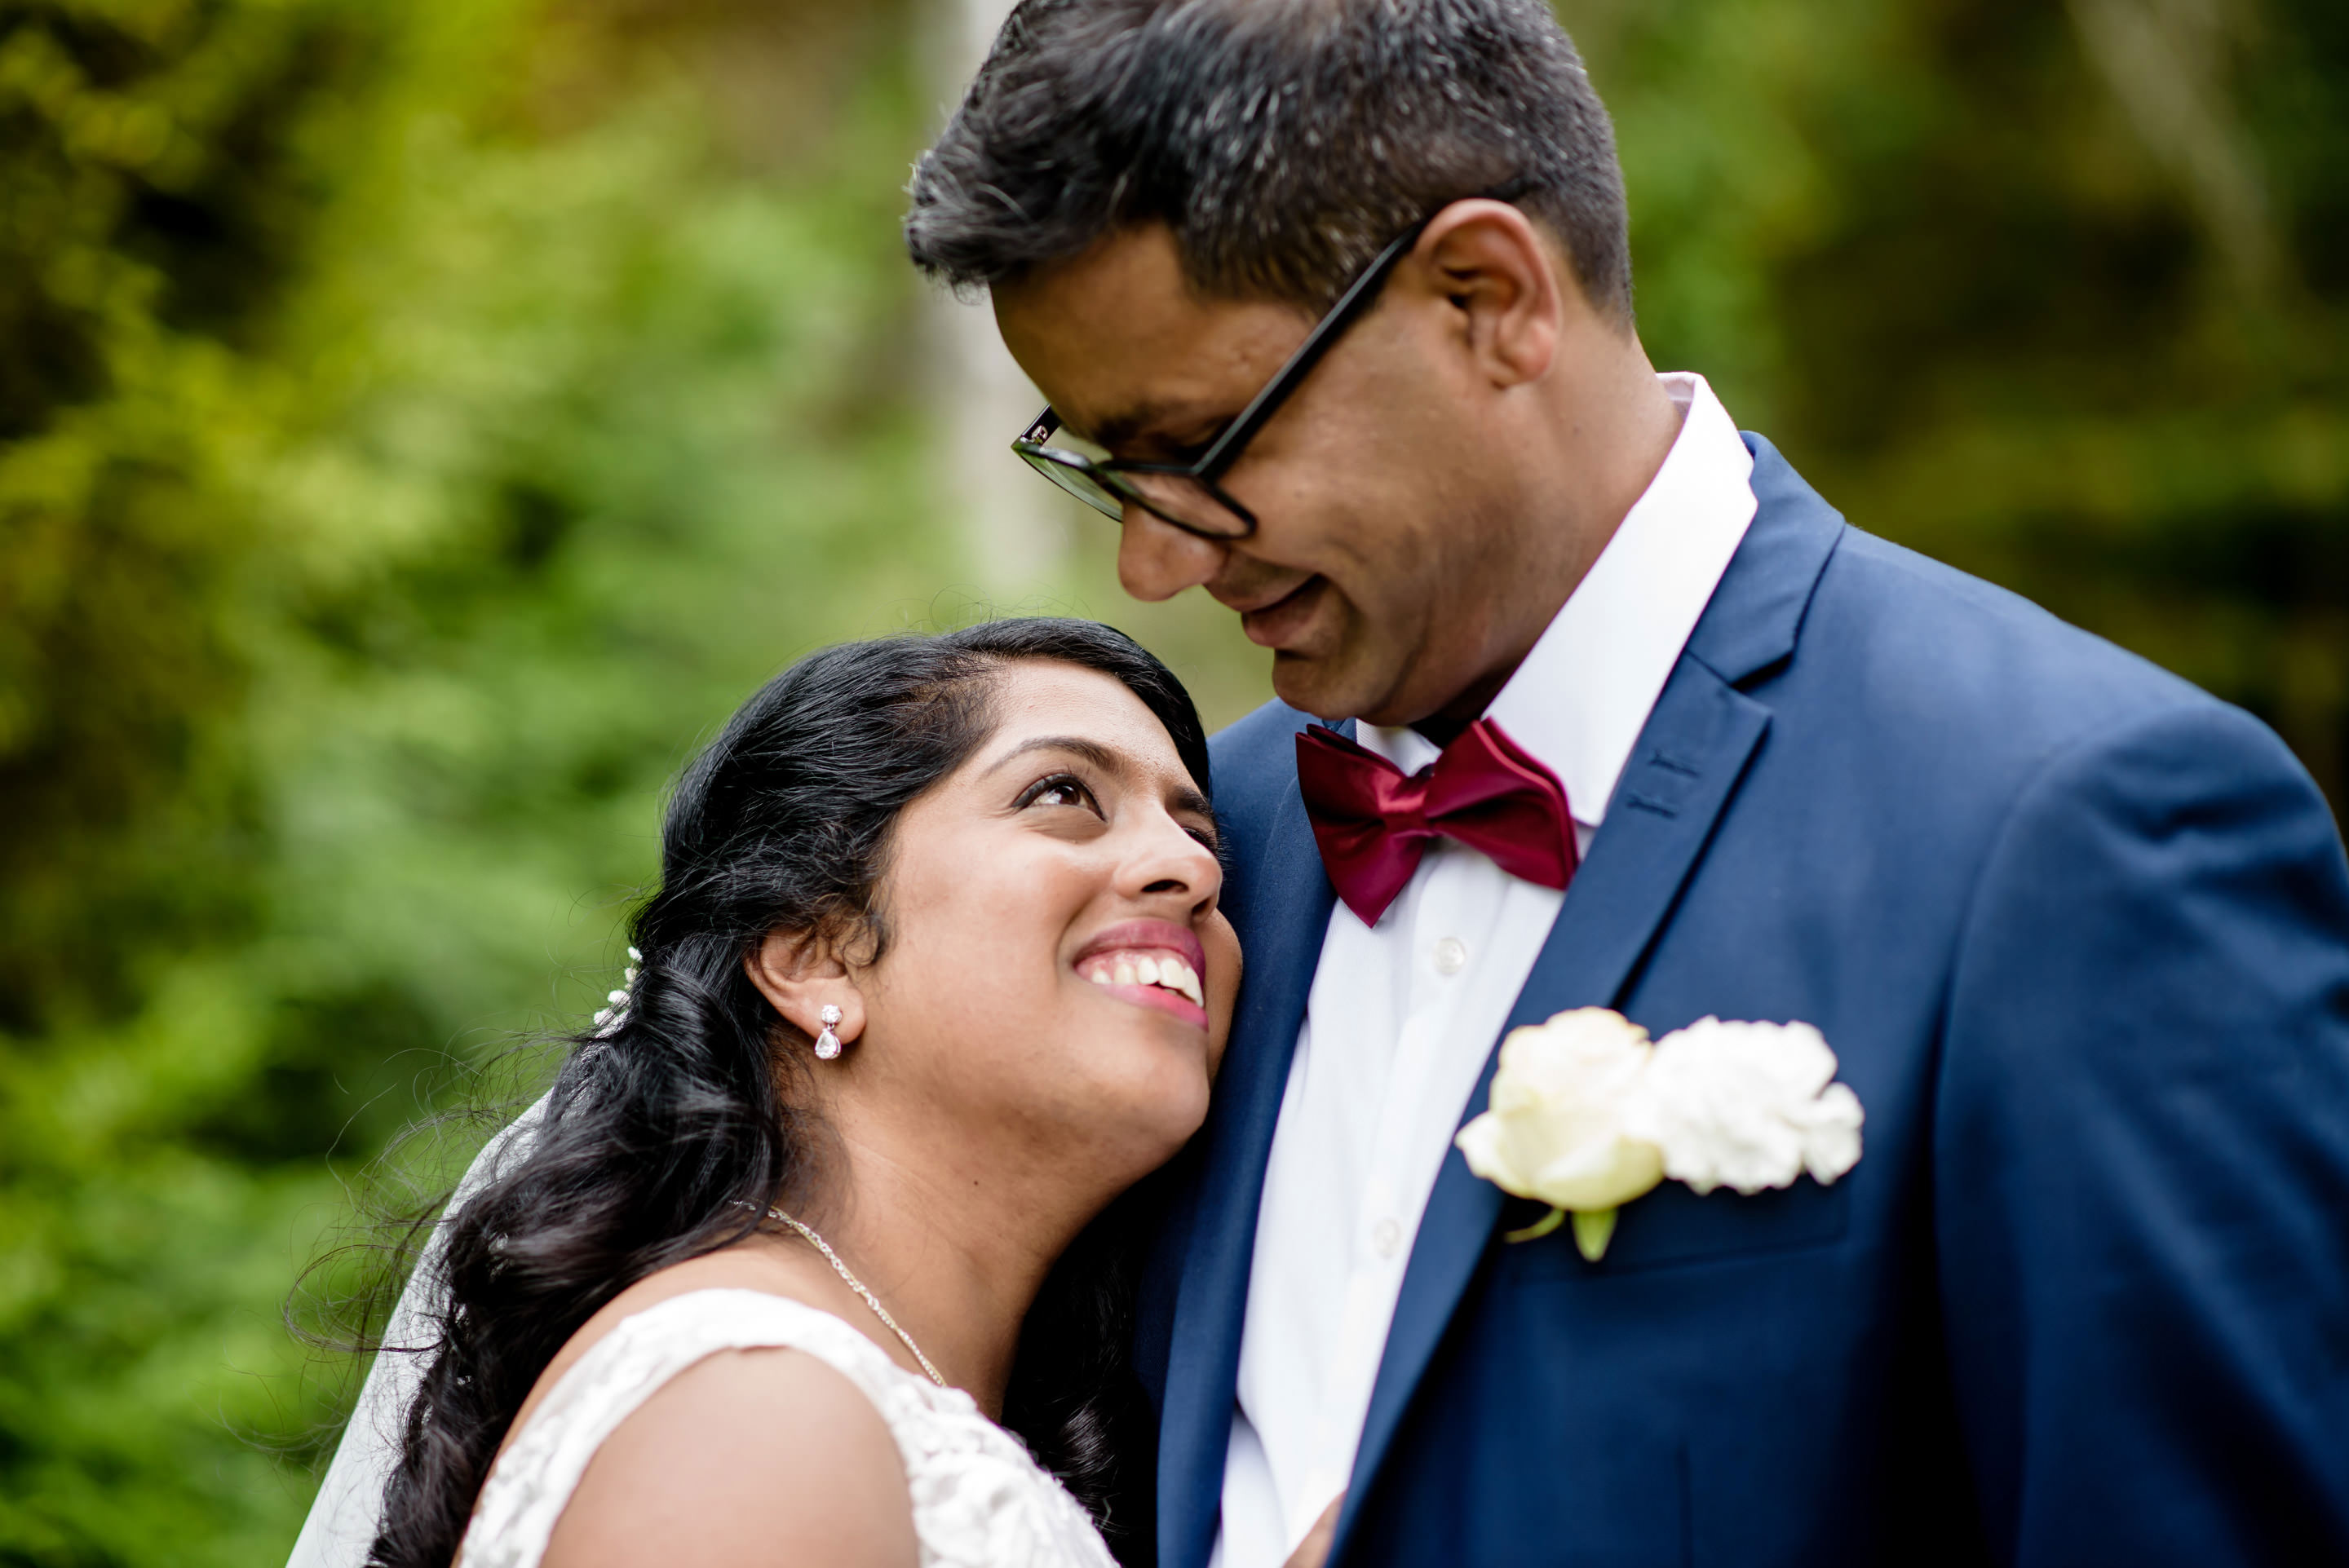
(1185, 798)
(1091, 751)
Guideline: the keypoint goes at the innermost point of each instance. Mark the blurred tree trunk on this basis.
(1017, 528)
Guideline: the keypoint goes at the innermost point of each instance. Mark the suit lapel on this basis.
(1688, 763)
(1683, 771)
(1287, 901)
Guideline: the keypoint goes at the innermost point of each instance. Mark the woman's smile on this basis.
(1150, 963)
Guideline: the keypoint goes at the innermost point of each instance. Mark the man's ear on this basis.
(798, 973)
(1504, 279)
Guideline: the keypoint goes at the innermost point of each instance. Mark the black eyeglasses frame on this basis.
(1067, 469)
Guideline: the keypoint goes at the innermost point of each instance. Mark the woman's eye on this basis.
(1059, 791)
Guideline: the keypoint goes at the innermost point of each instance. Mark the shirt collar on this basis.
(1582, 695)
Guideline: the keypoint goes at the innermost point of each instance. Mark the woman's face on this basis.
(1058, 981)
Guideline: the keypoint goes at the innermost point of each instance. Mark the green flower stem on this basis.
(1593, 1228)
(1541, 1227)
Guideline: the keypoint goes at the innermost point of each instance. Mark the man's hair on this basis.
(1284, 142)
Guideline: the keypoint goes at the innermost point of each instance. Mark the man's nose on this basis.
(1157, 561)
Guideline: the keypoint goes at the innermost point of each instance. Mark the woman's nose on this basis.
(1172, 863)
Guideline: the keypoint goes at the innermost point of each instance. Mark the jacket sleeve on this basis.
(2141, 1166)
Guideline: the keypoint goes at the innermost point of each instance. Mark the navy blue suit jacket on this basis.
(2079, 935)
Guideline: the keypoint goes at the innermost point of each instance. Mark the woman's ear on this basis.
(799, 974)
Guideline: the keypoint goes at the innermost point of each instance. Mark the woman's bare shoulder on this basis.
(747, 1458)
(753, 1267)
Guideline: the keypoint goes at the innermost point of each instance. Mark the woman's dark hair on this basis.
(660, 1131)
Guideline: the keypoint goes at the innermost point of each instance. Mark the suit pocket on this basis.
(1673, 1227)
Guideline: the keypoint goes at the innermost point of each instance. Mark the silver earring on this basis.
(827, 1044)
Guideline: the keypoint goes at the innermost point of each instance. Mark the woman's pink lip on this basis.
(1145, 936)
(1165, 1001)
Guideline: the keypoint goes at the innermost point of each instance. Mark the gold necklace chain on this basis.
(857, 1286)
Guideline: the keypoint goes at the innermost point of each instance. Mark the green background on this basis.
(420, 422)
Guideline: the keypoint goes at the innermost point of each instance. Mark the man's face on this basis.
(1385, 523)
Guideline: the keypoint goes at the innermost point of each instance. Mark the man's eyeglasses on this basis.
(1190, 496)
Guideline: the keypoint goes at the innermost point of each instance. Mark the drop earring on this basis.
(827, 1044)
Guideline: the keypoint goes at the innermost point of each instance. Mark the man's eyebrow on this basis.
(1119, 428)
(1132, 424)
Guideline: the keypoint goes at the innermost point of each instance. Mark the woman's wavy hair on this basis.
(667, 1135)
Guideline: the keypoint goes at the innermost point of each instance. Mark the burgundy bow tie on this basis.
(1374, 823)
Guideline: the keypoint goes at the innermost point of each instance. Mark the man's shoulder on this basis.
(1254, 758)
(1904, 642)
(1879, 635)
(1973, 708)
(1902, 668)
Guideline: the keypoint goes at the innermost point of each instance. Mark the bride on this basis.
(935, 972)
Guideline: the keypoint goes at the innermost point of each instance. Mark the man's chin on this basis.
(1331, 687)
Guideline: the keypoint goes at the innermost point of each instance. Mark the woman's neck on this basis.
(956, 1257)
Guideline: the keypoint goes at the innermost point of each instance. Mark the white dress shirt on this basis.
(1402, 1014)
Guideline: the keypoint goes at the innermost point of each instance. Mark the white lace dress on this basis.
(979, 1501)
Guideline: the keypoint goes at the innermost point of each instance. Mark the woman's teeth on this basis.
(1162, 970)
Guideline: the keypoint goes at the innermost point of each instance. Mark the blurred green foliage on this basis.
(2056, 293)
(420, 423)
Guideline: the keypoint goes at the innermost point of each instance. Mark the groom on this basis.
(2078, 933)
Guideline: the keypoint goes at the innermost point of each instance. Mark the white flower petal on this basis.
(1748, 1106)
(1831, 1141)
(1601, 1175)
(1480, 1143)
(1557, 1129)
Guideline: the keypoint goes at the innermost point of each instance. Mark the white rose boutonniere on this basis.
(1568, 1125)
(1587, 1115)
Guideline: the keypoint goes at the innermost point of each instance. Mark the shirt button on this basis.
(1386, 1235)
(1451, 956)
